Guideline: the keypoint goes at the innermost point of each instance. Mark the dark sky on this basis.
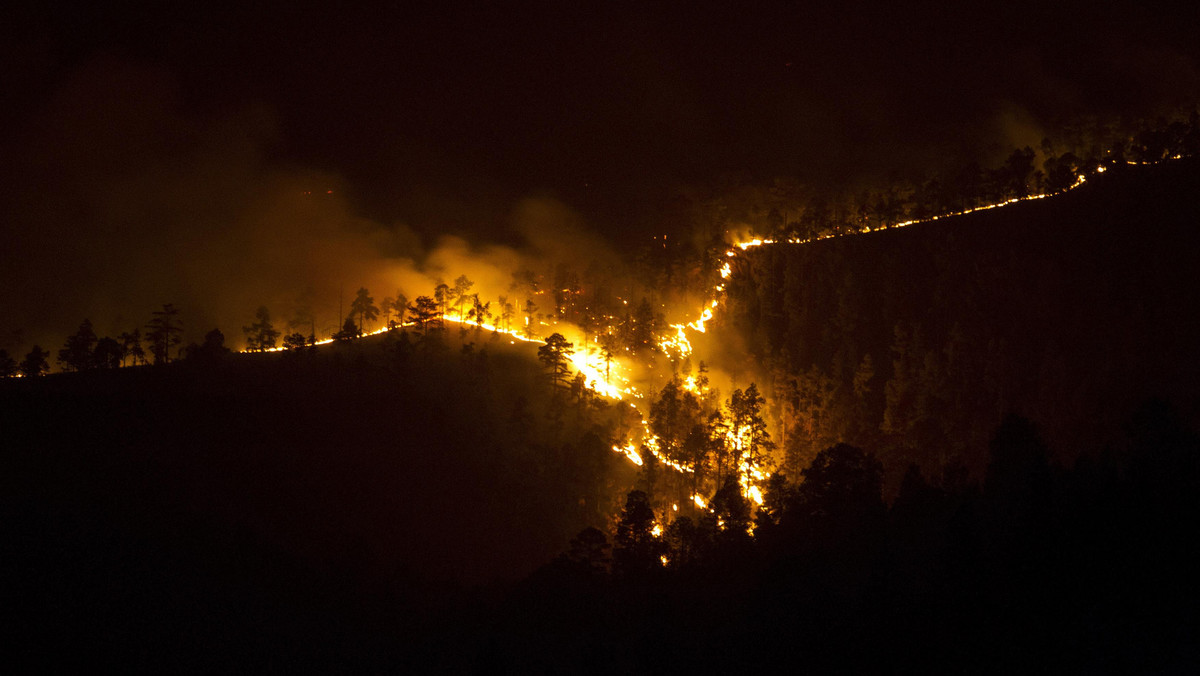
(136, 134)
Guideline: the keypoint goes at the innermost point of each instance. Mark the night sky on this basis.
(157, 154)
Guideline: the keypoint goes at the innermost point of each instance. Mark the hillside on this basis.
(1071, 310)
(285, 504)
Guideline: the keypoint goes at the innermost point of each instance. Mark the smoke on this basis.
(119, 202)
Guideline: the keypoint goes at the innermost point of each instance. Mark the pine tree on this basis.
(261, 335)
(164, 333)
(364, 306)
(77, 353)
(556, 355)
(34, 364)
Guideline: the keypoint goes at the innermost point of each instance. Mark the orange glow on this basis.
(611, 378)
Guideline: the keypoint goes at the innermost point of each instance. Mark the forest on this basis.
(965, 442)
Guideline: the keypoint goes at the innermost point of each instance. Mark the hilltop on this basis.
(1071, 310)
(285, 506)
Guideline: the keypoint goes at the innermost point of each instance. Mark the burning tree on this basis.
(556, 355)
(748, 431)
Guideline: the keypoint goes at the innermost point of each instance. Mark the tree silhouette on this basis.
(441, 294)
(505, 314)
(640, 328)
(364, 306)
(636, 550)
(131, 345)
(164, 333)
(8, 365)
(479, 312)
(556, 355)
(680, 542)
(731, 508)
(212, 349)
(841, 492)
(424, 311)
(348, 332)
(672, 417)
(461, 286)
(1018, 464)
(529, 310)
(590, 552)
(294, 341)
(34, 364)
(76, 354)
(400, 307)
(261, 335)
(108, 354)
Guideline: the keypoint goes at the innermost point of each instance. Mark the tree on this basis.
(424, 310)
(294, 341)
(529, 309)
(637, 548)
(607, 342)
(214, 342)
(261, 335)
(461, 286)
(211, 349)
(364, 306)
(131, 345)
(590, 552)
(479, 312)
(672, 417)
(716, 433)
(751, 442)
(441, 294)
(8, 365)
(640, 328)
(1018, 463)
(348, 332)
(556, 355)
(731, 508)
(303, 316)
(76, 354)
(1017, 170)
(506, 313)
(400, 307)
(164, 333)
(108, 354)
(34, 364)
(841, 494)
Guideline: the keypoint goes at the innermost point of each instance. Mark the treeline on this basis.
(85, 351)
(1036, 567)
(918, 343)
(532, 306)
(1078, 149)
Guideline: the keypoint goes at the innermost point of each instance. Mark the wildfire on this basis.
(598, 368)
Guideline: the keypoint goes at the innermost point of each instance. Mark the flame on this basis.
(591, 363)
